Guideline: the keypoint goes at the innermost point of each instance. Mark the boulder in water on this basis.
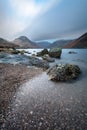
(64, 72)
(43, 52)
(55, 52)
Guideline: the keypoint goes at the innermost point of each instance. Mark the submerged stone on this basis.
(48, 58)
(72, 52)
(38, 62)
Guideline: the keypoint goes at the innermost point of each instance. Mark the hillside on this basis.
(81, 42)
(6, 44)
(24, 42)
(43, 44)
(59, 43)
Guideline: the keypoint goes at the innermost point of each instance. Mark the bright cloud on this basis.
(17, 15)
(31, 8)
(8, 29)
(42, 19)
(25, 7)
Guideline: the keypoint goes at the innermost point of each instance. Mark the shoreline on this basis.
(41, 103)
(11, 77)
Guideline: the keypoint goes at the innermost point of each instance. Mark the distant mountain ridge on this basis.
(59, 43)
(43, 44)
(6, 44)
(80, 42)
(24, 42)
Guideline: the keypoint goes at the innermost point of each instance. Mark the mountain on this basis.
(24, 42)
(43, 44)
(81, 42)
(6, 44)
(59, 43)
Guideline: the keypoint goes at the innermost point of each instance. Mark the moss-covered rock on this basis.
(15, 51)
(64, 72)
(10, 50)
(43, 52)
(55, 52)
(48, 58)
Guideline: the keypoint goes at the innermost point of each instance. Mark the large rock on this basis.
(38, 62)
(23, 59)
(55, 52)
(48, 58)
(63, 72)
(43, 52)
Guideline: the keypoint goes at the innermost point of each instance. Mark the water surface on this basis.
(40, 104)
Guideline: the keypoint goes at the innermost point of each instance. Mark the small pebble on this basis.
(40, 124)
(31, 112)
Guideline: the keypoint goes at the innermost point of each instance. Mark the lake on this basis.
(41, 104)
(80, 57)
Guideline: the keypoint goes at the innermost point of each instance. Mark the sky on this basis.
(43, 19)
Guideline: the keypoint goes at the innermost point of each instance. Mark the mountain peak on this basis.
(23, 38)
(24, 42)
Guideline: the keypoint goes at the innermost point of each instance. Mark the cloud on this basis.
(9, 25)
(67, 18)
(41, 20)
(25, 7)
(17, 15)
(9, 30)
(31, 8)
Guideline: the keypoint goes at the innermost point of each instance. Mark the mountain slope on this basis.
(24, 42)
(81, 42)
(59, 43)
(43, 44)
(6, 44)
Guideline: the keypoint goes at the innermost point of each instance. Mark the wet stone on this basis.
(31, 112)
(64, 72)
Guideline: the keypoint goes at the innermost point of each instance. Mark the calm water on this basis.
(79, 58)
(40, 104)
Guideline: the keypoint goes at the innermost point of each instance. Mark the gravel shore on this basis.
(11, 77)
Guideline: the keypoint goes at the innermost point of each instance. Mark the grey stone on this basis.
(48, 58)
(63, 72)
(55, 52)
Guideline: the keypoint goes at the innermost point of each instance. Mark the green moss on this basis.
(15, 52)
(43, 52)
(56, 49)
(22, 52)
(55, 52)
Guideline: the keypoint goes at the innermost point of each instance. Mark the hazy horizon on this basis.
(43, 20)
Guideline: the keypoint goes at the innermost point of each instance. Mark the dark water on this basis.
(41, 104)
